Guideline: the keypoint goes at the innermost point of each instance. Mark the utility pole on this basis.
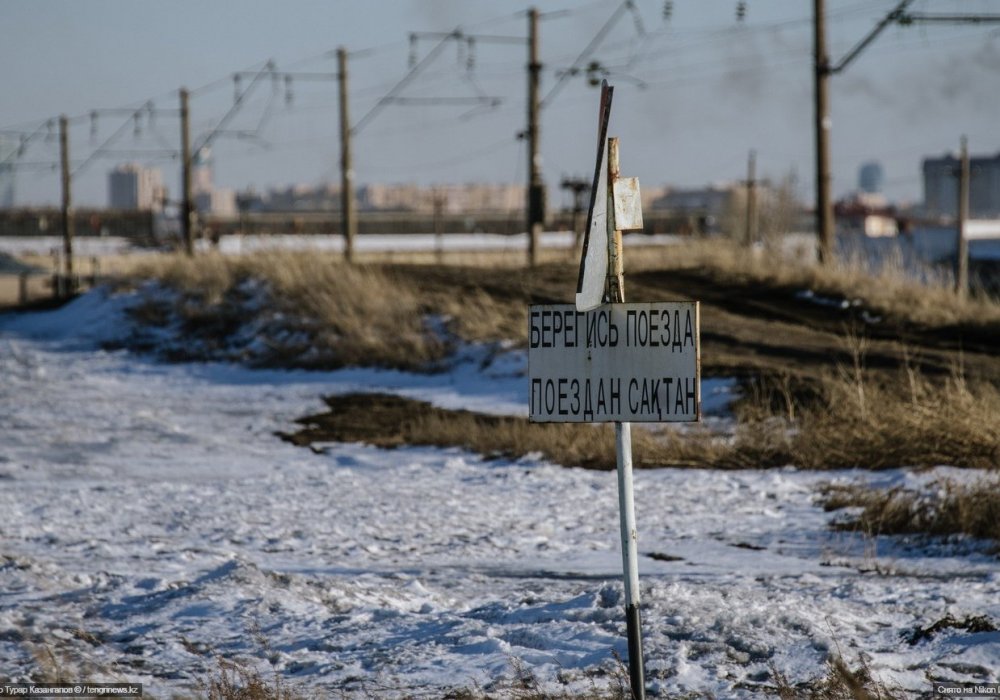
(67, 203)
(821, 73)
(822, 70)
(348, 218)
(536, 190)
(962, 243)
(579, 188)
(751, 233)
(187, 205)
(438, 199)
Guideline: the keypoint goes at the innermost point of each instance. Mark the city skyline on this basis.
(715, 88)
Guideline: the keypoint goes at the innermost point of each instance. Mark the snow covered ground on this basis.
(151, 520)
(368, 243)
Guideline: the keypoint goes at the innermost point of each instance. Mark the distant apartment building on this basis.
(941, 186)
(323, 197)
(714, 200)
(218, 202)
(406, 197)
(871, 177)
(453, 199)
(479, 198)
(134, 187)
(718, 208)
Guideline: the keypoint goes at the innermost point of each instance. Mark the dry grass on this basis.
(854, 418)
(887, 291)
(375, 314)
(235, 681)
(38, 287)
(840, 683)
(941, 510)
(320, 313)
(849, 420)
(326, 314)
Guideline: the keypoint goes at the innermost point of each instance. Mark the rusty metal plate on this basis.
(628, 204)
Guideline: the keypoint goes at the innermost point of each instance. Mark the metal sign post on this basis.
(602, 360)
(623, 446)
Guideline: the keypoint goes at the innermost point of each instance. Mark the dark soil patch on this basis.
(747, 329)
(390, 421)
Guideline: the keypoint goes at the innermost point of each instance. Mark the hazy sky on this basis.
(694, 93)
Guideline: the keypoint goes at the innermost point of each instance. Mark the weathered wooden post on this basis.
(602, 360)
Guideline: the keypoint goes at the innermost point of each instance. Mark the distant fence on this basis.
(329, 223)
(134, 225)
(146, 227)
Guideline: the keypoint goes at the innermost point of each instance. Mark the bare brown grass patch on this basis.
(328, 314)
(941, 509)
(854, 417)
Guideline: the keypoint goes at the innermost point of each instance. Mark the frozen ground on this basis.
(151, 520)
(373, 242)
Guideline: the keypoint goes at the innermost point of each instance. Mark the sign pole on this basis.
(626, 508)
(602, 360)
(623, 454)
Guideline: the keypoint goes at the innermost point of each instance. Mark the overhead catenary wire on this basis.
(27, 126)
(489, 149)
(657, 41)
(586, 53)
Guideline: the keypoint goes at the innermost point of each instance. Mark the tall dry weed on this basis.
(941, 509)
(877, 423)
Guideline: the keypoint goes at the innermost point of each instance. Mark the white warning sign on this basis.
(617, 362)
